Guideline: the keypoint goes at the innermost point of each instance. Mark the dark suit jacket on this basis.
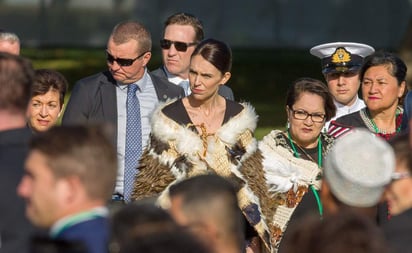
(43, 244)
(224, 90)
(15, 229)
(398, 232)
(94, 234)
(93, 99)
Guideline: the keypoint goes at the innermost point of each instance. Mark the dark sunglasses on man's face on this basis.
(180, 46)
(122, 62)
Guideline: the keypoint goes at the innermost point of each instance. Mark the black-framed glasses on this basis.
(180, 46)
(303, 115)
(399, 175)
(121, 61)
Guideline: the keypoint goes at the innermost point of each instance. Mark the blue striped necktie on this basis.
(133, 140)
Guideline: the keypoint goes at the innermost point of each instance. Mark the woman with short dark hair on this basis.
(383, 87)
(47, 102)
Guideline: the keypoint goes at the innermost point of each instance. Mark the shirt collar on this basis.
(172, 78)
(74, 219)
(141, 83)
(339, 105)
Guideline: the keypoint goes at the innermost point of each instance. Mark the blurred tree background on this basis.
(257, 76)
(270, 39)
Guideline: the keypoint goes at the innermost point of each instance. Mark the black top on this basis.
(346, 123)
(398, 232)
(178, 113)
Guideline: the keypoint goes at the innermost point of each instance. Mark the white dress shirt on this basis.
(184, 83)
(148, 101)
(342, 110)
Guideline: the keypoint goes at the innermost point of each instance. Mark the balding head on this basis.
(9, 43)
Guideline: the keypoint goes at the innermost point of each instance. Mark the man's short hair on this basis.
(214, 197)
(131, 30)
(16, 79)
(183, 18)
(139, 219)
(83, 151)
(176, 241)
(143, 227)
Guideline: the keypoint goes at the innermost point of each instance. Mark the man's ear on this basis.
(70, 187)
(146, 58)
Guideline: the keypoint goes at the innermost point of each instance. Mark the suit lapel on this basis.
(160, 87)
(109, 104)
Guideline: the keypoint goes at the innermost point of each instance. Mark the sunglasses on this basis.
(180, 46)
(121, 61)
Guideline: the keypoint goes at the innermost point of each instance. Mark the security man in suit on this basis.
(70, 172)
(104, 97)
(16, 79)
(182, 32)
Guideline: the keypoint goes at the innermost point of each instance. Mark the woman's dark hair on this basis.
(396, 66)
(216, 52)
(47, 79)
(314, 86)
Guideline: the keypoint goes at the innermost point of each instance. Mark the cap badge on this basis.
(341, 55)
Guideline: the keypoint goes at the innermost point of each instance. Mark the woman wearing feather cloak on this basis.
(205, 133)
(292, 159)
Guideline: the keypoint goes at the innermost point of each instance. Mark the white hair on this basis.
(9, 36)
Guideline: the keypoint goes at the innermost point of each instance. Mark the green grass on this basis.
(259, 76)
(262, 131)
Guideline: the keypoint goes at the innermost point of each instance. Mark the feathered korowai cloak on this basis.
(176, 152)
(288, 179)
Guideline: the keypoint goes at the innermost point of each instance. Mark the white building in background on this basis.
(242, 23)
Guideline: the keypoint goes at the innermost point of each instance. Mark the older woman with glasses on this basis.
(292, 159)
(383, 78)
(399, 196)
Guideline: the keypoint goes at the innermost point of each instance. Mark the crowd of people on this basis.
(166, 160)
